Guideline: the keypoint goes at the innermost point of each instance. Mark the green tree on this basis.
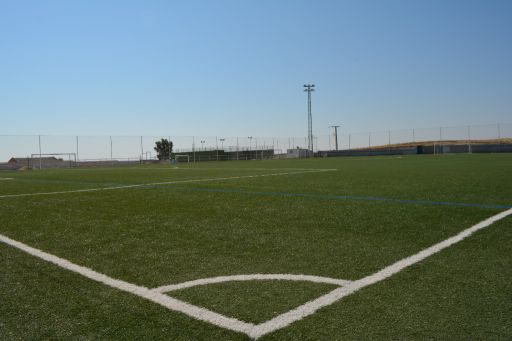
(163, 149)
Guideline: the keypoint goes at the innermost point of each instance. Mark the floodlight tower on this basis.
(335, 135)
(310, 88)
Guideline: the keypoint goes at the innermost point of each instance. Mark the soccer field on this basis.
(414, 247)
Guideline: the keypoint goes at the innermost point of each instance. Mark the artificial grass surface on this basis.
(157, 235)
(254, 301)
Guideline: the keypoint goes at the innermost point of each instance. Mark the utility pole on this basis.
(310, 88)
(335, 135)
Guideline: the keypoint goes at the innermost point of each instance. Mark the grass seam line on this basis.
(343, 197)
(98, 189)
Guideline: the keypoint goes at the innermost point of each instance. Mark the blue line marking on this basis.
(345, 197)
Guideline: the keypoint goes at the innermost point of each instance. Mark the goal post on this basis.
(53, 160)
(178, 157)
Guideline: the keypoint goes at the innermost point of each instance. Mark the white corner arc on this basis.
(255, 331)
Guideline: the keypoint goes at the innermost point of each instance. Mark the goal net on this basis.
(53, 160)
(182, 158)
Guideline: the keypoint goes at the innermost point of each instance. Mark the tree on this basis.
(163, 149)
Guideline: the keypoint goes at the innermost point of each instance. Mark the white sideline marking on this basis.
(253, 277)
(310, 307)
(6, 179)
(278, 322)
(164, 300)
(97, 189)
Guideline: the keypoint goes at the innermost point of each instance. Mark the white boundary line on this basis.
(6, 179)
(278, 322)
(164, 300)
(97, 189)
(311, 307)
(253, 277)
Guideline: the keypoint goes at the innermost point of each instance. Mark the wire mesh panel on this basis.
(379, 138)
(148, 147)
(401, 136)
(52, 144)
(18, 146)
(323, 142)
(427, 134)
(126, 148)
(343, 142)
(94, 148)
(460, 133)
(359, 140)
(230, 144)
(504, 131)
(180, 143)
(210, 148)
(487, 132)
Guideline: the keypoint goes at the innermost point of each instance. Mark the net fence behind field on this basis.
(125, 149)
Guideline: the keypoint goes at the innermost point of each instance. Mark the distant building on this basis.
(298, 153)
(46, 162)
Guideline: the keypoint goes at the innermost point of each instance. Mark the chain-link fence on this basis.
(200, 148)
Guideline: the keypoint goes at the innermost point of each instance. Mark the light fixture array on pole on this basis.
(310, 88)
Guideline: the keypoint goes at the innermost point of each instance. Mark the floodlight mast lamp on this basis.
(310, 88)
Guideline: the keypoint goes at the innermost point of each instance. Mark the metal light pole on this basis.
(310, 88)
(335, 135)
(222, 143)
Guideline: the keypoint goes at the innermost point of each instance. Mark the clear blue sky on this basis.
(237, 67)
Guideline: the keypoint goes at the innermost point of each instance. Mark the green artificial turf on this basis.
(254, 301)
(347, 222)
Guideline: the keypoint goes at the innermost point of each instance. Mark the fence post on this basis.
(77, 149)
(440, 139)
(111, 157)
(413, 135)
(349, 137)
(40, 162)
(389, 141)
(194, 148)
(141, 150)
(469, 139)
(499, 138)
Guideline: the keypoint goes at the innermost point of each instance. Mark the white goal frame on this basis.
(184, 155)
(36, 160)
